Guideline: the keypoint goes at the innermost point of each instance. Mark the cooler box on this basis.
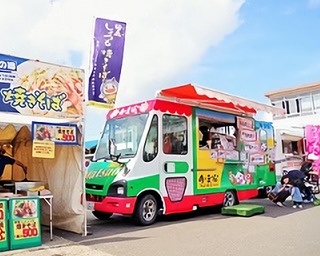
(4, 233)
(24, 222)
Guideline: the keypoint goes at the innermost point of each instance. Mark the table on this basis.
(48, 200)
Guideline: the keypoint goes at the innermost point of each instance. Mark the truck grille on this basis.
(94, 186)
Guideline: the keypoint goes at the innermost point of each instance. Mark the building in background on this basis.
(302, 109)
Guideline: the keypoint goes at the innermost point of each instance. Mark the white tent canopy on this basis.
(63, 175)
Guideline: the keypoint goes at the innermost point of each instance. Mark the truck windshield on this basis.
(125, 133)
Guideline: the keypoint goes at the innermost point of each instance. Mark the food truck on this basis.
(188, 148)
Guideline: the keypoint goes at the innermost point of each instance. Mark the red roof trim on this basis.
(147, 106)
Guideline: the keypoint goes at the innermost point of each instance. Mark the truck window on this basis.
(125, 132)
(150, 150)
(217, 130)
(218, 136)
(174, 134)
(290, 147)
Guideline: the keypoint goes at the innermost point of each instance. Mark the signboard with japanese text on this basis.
(209, 178)
(24, 222)
(244, 123)
(31, 87)
(57, 133)
(43, 149)
(109, 38)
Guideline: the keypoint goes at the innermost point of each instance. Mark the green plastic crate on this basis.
(245, 210)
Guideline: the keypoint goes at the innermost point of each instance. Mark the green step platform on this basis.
(245, 210)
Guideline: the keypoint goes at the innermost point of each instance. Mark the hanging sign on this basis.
(58, 133)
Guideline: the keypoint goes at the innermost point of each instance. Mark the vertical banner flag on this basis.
(109, 37)
(312, 136)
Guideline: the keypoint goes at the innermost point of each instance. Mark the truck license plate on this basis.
(90, 206)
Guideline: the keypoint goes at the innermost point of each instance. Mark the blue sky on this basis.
(242, 47)
(275, 47)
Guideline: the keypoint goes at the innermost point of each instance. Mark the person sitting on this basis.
(5, 159)
(298, 179)
(167, 143)
(283, 189)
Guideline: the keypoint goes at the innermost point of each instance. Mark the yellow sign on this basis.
(209, 179)
(26, 228)
(43, 149)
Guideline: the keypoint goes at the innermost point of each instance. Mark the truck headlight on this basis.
(120, 190)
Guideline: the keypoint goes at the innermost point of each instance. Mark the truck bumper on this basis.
(116, 205)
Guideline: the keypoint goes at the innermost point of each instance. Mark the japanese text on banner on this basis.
(109, 37)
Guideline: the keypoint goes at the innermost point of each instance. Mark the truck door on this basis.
(176, 179)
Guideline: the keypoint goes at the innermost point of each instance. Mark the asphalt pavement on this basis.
(68, 244)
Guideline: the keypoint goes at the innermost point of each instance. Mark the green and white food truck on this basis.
(190, 147)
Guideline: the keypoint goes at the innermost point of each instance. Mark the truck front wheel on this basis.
(102, 215)
(146, 211)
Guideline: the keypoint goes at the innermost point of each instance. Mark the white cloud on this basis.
(163, 38)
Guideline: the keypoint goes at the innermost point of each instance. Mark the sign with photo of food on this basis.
(31, 87)
(58, 133)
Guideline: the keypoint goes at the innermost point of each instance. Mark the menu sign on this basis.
(31, 87)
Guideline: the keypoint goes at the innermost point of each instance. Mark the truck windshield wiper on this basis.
(129, 154)
(101, 158)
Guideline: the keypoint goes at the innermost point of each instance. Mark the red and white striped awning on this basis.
(198, 96)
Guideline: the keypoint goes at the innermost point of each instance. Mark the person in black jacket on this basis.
(5, 159)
